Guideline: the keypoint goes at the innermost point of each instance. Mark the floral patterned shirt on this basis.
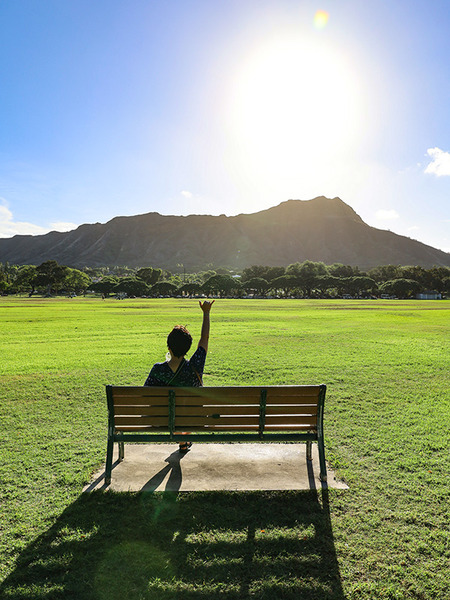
(162, 375)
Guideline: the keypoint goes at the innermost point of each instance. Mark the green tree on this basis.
(191, 288)
(26, 279)
(359, 284)
(324, 283)
(4, 284)
(8, 274)
(105, 285)
(384, 273)
(446, 285)
(264, 272)
(95, 271)
(273, 272)
(418, 274)
(149, 275)
(285, 283)
(76, 281)
(164, 288)
(402, 288)
(51, 275)
(257, 284)
(438, 275)
(252, 272)
(306, 274)
(340, 270)
(221, 284)
(205, 275)
(132, 286)
(123, 271)
(4, 279)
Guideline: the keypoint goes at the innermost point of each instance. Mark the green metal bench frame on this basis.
(264, 414)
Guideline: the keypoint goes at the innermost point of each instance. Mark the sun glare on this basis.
(296, 106)
(321, 19)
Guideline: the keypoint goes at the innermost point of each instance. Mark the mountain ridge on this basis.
(321, 229)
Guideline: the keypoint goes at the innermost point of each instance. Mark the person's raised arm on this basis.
(204, 336)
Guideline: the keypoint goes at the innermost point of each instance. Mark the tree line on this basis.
(300, 280)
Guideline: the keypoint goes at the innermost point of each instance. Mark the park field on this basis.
(387, 433)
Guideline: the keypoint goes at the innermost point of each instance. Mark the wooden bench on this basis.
(215, 414)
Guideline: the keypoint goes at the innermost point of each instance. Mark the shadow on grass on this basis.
(198, 545)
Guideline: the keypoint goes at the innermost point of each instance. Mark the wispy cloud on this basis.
(9, 227)
(387, 215)
(187, 194)
(440, 162)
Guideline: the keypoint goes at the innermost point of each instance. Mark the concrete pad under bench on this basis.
(226, 466)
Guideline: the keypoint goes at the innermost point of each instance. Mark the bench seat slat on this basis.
(137, 420)
(184, 401)
(121, 411)
(213, 422)
(235, 421)
(150, 411)
(291, 419)
(218, 429)
(189, 421)
(137, 401)
(226, 392)
(245, 410)
(143, 428)
(230, 392)
(304, 400)
(294, 390)
(214, 401)
(138, 391)
(186, 410)
(183, 411)
(210, 398)
(243, 428)
(219, 392)
(292, 410)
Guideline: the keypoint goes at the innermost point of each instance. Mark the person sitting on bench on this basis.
(176, 370)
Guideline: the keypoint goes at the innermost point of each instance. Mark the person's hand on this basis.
(206, 305)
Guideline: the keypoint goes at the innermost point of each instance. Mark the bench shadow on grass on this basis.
(197, 545)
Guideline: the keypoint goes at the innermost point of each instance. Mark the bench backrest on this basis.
(213, 409)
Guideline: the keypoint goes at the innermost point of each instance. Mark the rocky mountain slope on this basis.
(321, 229)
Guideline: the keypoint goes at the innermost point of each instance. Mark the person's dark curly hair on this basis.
(179, 340)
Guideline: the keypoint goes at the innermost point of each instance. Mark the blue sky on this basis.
(112, 108)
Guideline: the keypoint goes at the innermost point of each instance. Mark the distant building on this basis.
(429, 295)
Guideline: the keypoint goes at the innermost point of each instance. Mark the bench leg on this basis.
(109, 456)
(323, 465)
(308, 450)
(121, 451)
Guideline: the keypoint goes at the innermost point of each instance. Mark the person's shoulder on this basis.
(199, 357)
(156, 375)
(199, 352)
(158, 367)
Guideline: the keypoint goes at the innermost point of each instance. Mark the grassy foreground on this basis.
(387, 426)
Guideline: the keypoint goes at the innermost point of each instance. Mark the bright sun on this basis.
(296, 108)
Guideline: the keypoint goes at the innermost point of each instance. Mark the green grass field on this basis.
(387, 429)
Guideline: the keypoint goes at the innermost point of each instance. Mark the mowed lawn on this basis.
(387, 429)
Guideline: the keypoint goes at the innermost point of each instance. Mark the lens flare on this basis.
(321, 19)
